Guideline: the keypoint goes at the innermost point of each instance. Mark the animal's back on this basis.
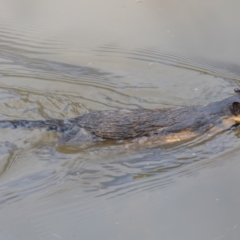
(125, 124)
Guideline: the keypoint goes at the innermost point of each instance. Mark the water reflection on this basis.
(107, 168)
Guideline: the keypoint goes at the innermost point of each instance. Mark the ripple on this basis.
(102, 174)
(181, 60)
(26, 39)
(20, 188)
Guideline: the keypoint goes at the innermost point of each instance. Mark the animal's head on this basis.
(235, 106)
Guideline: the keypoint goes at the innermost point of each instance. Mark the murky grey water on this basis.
(60, 59)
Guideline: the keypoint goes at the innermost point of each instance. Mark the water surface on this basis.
(60, 59)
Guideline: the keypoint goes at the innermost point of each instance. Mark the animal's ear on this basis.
(237, 90)
(235, 108)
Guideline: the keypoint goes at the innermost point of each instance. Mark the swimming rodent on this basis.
(137, 123)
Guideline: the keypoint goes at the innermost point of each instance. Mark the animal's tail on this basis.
(55, 125)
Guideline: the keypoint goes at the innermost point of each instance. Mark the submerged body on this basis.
(137, 123)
